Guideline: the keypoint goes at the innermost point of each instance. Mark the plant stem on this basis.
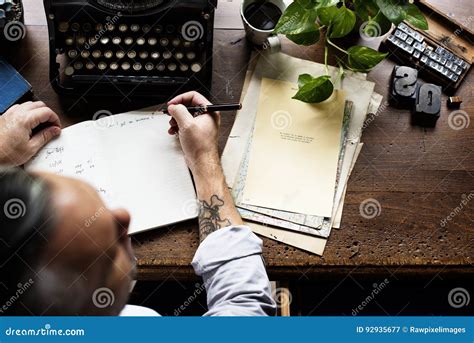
(334, 45)
(326, 59)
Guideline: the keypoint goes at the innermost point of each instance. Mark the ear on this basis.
(122, 217)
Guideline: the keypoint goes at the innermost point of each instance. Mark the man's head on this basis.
(62, 252)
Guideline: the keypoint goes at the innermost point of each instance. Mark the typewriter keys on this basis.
(135, 28)
(125, 66)
(123, 28)
(158, 28)
(90, 65)
(184, 67)
(63, 27)
(108, 54)
(146, 28)
(96, 53)
(132, 54)
(141, 41)
(69, 71)
(137, 66)
(72, 53)
(179, 55)
(105, 40)
(69, 41)
(191, 55)
(92, 41)
(152, 41)
(78, 65)
(161, 67)
(99, 27)
(172, 67)
(116, 40)
(164, 41)
(143, 55)
(149, 66)
(196, 67)
(87, 27)
(114, 66)
(187, 44)
(110, 27)
(170, 28)
(128, 41)
(75, 27)
(155, 55)
(81, 40)
(85, 53)
(176, 42)
(167, 55)
(120, 54)
(102, 65)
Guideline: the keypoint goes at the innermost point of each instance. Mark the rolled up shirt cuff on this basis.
(223, 245)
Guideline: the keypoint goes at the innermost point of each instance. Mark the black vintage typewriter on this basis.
(130, 48)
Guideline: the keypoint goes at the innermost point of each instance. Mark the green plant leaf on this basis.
(396, 11)
(297, 19)
(364, 58)
(327, 3)
(315, 89)
(305, 38)
(366, 9)
(341, 20)
(415, 17)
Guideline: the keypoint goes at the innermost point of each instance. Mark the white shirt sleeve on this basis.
(231, 265)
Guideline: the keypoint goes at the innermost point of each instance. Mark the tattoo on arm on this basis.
(209, 217)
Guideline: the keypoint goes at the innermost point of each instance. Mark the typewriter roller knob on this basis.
(69, 71)
(63, 27)
(196, 67)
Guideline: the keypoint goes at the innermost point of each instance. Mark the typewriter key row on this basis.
(88, 27)
(116, 40)
(108, 54)
(126, 66)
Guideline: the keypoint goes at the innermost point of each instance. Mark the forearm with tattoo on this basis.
(210, 218)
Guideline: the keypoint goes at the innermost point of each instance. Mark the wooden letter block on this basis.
(404, 84)
(428, 105)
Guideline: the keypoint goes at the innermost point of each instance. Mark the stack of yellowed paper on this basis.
(288, 162)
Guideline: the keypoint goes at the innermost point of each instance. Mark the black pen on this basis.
(210, 108)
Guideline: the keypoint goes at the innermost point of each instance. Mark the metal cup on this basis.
(256, 35)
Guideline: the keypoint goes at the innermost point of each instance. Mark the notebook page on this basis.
(137, 166)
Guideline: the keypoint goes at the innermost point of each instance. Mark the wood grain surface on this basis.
(419, 176)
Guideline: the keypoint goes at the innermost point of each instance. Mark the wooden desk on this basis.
(418, 175)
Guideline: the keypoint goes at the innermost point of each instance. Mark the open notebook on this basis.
(131, 161)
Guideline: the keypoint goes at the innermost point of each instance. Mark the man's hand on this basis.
(18, 144)
(198, 135)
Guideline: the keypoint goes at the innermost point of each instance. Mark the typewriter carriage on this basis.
(154, 51)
